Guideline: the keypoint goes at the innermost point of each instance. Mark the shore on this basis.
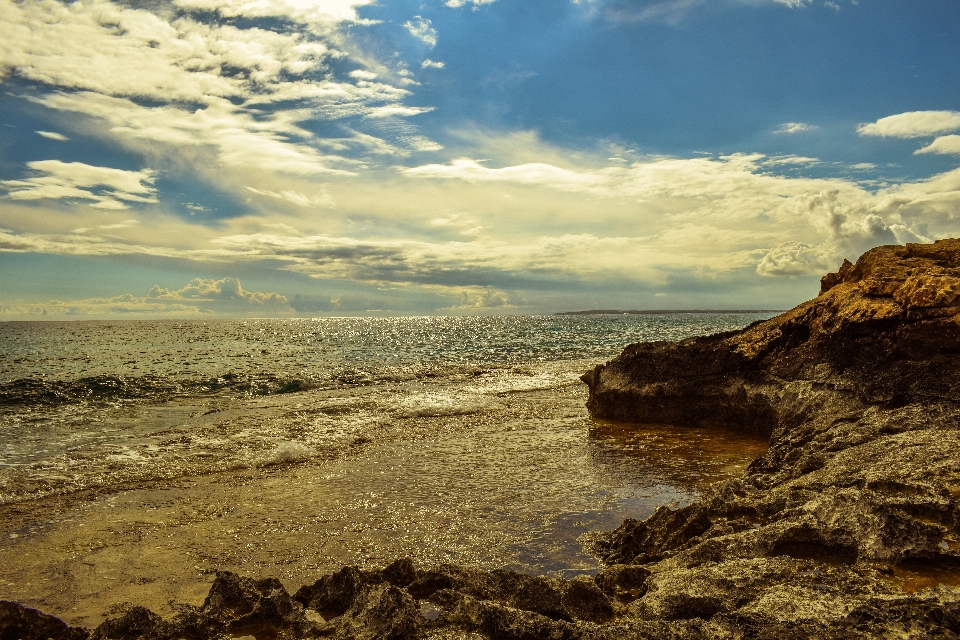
(513, 482)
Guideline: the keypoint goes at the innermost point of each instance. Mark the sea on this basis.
(138, 458)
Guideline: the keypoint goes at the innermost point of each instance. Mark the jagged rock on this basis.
(859, 393)
(379, 612)
(242, 605)
(18, 622)
(137, 622)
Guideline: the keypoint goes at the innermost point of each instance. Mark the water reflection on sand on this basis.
(510, 481)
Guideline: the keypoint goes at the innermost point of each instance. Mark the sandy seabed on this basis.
(512, 482)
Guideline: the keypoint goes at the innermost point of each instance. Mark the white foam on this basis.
(291, 451)
(429, 405)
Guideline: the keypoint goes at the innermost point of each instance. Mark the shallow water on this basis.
(486, 460)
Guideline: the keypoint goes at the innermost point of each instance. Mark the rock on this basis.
(859, 393)
(379, 612)
(18, 622)
(137, 622)
(583, 600)
(243, 606)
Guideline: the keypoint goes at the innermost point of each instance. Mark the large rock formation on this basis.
(844, 529)
(858, 390)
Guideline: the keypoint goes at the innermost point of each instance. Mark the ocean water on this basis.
(137, 458)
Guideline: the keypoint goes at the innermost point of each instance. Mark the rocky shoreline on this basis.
(848, 527)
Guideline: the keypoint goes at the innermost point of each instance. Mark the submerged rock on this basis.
(843, 529)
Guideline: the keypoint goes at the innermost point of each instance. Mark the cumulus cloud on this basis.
(794, 259)
(795, 127)
(945, 145)
(431, 64)
(108, 188)
(421, 29)
(914, 124)
(224, 290)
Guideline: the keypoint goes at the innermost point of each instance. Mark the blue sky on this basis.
(343, 157)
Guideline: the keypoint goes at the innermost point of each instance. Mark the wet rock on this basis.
(400, 573)
(137, 622)
(333, 594)
(243, 606)
(379, 612)
(18, 622)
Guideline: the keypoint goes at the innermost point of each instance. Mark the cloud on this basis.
(170, 83)
(430, 64)
(914, 124)
(944, 145)
(299, 10)
(322, 200)
(794, 259)
(199, 298)
(236, 137)
(52, 135)
(795, 127)
(531, 173)
(420, 28)
(456, 4)
(107, 188)
(224, 290)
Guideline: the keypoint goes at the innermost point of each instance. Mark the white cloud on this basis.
(944, 145)
(53, 135)
(532, 173)
(389, 110)
(420, 28)
(456, 4)
(299, 199)
(226, 289)
(237, 138)
(795, 259)
(795, 127)
(57, 180)
(430, 64)
(914, 124)
(299, 10)
(207, 85)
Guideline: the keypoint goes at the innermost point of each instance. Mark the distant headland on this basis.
(657, 312)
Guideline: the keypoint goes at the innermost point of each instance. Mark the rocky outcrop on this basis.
(842, 530)
(858, 391)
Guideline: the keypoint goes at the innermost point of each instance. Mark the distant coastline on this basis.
(655, 312)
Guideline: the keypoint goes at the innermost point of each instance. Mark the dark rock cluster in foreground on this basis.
(844, 529)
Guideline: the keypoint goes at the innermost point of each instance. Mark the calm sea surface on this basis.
(137, 458)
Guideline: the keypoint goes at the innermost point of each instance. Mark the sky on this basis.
(284, 158)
